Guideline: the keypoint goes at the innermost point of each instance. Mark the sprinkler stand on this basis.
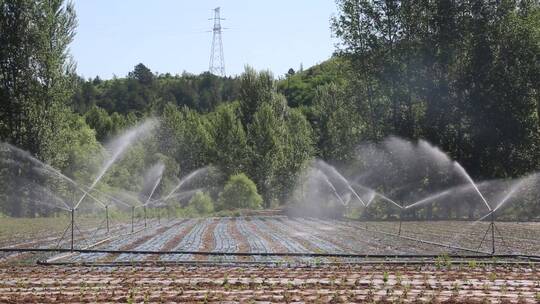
(144, 208)
(107, 217)
(492, 232)
(72, 227)
(132, 218)
(400, 219)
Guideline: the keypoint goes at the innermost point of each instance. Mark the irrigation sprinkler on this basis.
(491, 228)
(132, 218)
(144, 208)
(72, 226)
(400, 218)
(158, 216)
(107, 217)
(492, 233)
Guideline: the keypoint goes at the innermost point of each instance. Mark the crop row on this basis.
(273, 234)
(396, 283)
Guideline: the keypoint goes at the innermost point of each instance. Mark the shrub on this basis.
(239, 193)
(202, 203)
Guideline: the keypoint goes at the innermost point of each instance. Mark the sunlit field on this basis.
(337, 151)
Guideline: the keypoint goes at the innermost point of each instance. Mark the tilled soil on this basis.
(247, 284)
(277, 234)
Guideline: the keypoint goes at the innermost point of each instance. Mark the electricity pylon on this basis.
(217, 60)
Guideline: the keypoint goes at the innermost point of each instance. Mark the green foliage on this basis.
(35, 72)
(82, 151)
(339, 127)
(300, 88)
(459, 74)
(279, 140)
(202, 203)
(256, 88)
(239, 192)
(143, 91)
(100, 121)
(230, 149)
(184, 136)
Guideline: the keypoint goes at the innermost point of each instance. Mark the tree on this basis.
(299, 149)
(184, 136)
(80, 149)
(35, 72)
(255, 89)
(230, 149)
(142, 74)
(458, 73)
(36, 76)
(17, 75)
(54, 73)
(266, 137)
(500, 74)
(202, 203)
(339, 128)
(239, 192)
(99, 120)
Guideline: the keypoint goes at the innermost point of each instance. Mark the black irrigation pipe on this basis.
(277, 254)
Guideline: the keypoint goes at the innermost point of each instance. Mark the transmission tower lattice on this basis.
(217, 60)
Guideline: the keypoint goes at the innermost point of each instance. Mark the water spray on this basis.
(122, 143)
(468, 177)
(110, 197)
(182, 181)
(343, 179)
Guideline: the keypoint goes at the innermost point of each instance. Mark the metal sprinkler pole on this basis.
(144, 216)
(72, 226)
(492, 233)
(107, 217)
(158, 216)
(132, 217)
(400, 219)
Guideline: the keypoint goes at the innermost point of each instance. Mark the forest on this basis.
(463, 75)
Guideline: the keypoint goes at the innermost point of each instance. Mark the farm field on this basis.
(324, 284)
(279, 234)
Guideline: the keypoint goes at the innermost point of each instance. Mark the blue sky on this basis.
(169, 35)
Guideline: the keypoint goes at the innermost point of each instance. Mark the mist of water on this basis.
(178, 195)
(429, 199)
(154, 174)
(333, 189)
(45, 168)
(328, 168)
(184, 180)
(118, 146)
